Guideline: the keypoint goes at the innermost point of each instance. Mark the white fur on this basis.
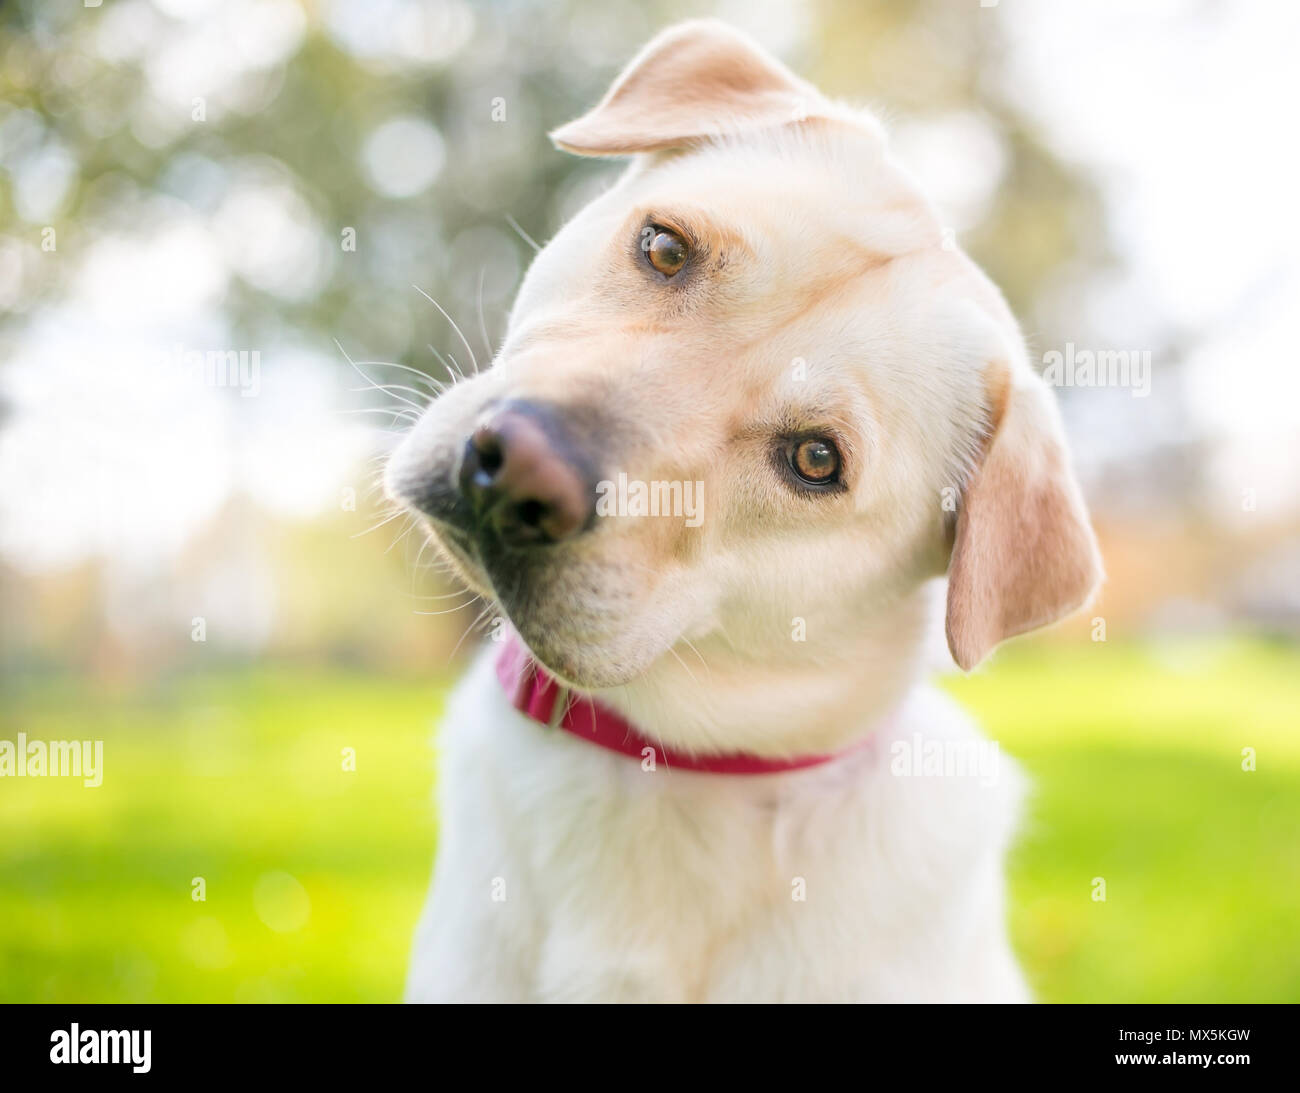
(566, 872)
(621, 884)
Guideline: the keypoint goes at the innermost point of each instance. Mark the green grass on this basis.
(1136, 760)
(233, 779)
(1135, 756)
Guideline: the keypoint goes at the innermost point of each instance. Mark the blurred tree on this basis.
(281, 127)
(296, 169)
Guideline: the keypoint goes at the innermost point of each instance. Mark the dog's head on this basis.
(751, 383)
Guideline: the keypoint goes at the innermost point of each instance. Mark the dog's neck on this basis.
(818, 695)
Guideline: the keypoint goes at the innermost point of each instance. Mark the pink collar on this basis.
(534, 692)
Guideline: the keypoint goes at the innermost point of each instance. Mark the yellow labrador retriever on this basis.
(749, 413)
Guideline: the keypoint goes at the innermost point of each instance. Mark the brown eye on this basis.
(816, 461)
(667, 251)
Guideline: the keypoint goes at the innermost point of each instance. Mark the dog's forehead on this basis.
(787, 204)
(799, 187)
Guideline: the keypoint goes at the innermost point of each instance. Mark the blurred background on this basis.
(209, 208)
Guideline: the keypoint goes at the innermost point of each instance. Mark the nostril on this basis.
(531, 513)
(487, 446)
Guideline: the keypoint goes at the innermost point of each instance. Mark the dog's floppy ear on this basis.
(693, 81)
(1024, 554)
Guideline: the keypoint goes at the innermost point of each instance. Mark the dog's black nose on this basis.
(523, 487)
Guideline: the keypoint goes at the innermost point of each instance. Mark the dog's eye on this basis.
(666, 251)
(815, 460)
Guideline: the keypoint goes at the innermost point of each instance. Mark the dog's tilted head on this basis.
(752, 383)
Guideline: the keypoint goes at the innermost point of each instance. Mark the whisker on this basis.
(372, 383)
(691, 646)
(402, 535)
(386, 520)
(394, 387)
(522, 234)
(687, 670)
(444, 596)
(455, 375)
(463, 340)
(439, 565)
(469, 629)
(451, 610)
(420, 554)
(384, 410)
(482, 326)
(435, 384)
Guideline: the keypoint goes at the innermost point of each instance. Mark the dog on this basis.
(691, 768)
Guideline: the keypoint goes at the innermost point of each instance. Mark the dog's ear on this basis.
(1024, 554)
(693, 81)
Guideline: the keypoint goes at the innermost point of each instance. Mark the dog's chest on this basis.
(636, 884)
